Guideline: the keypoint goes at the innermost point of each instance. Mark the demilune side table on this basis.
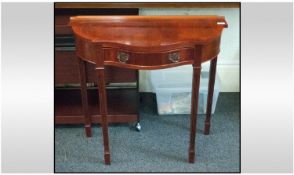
(148, 43)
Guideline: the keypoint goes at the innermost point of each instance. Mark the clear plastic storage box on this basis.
(173, 90)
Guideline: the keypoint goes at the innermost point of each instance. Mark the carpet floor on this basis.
(161, 146)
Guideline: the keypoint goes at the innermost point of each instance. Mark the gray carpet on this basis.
(161, 146)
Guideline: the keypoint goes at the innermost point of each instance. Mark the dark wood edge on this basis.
(148, 5)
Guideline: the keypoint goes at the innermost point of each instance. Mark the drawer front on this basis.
(124, 58)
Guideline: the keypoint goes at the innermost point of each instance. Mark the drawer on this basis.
(130, 59)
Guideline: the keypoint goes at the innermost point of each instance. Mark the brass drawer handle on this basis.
(123, 57)
(174, 57)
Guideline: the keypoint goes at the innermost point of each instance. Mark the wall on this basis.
(228, 66)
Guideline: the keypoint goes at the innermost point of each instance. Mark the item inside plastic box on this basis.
(173, 91)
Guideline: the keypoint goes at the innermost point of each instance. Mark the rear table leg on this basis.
(84, 94)
(212, 72)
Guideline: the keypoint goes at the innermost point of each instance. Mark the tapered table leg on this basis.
(212, 72)
(84, 94)
(103, 113)
(194, 109)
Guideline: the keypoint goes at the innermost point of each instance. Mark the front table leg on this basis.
(103, 113)
(212, 72)
(194, 109)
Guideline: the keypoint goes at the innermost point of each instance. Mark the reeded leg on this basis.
(84, 94)
(103, 113)
(194, 109)
(212, 72)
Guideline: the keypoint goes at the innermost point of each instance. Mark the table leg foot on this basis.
(191, 156)
(107, 158)
(207, 129)
(88, 130)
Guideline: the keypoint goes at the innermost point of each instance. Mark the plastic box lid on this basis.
(178, 79)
